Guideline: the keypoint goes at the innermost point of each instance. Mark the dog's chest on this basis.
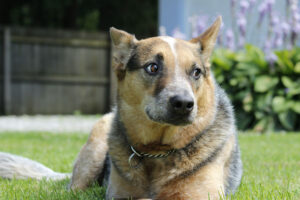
(153, 173)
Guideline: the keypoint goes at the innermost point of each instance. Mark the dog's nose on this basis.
(182, 104)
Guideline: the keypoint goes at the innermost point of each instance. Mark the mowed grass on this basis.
(271, 166)
(56, 151)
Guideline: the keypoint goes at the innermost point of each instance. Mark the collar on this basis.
(147, 155)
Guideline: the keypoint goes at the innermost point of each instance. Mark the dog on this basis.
(172, 134)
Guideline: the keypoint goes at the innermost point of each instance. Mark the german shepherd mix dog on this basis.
(172, 134)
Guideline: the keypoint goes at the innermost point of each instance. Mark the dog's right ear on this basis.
(122, 44)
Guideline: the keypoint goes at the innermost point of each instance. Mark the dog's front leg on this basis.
(119, 188)
(90, 160)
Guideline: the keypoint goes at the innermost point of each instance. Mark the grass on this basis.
(271, 166)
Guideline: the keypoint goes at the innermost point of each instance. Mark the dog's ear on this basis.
(208, 39)
(122, 44)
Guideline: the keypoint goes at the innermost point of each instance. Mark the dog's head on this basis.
(164, 78)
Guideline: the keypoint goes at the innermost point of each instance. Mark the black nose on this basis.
(182, 104)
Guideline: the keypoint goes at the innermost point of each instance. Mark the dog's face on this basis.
(162, 77)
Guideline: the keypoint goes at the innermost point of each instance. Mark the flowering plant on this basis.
(276, 30)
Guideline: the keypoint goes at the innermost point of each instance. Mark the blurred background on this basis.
(55, 54)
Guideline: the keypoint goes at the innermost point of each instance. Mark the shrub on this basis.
(266, 96)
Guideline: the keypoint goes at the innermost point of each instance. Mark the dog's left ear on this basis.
(122, 44)
(208, 39)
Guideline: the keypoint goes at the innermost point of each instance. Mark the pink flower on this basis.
(230, 39)
(178, 34)
(244, 5)
(274, 21)
(285, 27)
(262, 9)
(242, 22)
(252, 3)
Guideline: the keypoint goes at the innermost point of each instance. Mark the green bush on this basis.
(265, 95)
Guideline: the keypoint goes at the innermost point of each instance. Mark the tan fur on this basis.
(152, 137)
(91, 157)
(121, 188)
(207, 40)
(132, 105)
(179, 175)
(208, 183)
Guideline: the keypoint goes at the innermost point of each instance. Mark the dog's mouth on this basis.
(170, 118)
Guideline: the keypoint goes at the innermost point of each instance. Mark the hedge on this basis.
(265, 95)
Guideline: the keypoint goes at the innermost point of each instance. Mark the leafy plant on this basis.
(266, 96)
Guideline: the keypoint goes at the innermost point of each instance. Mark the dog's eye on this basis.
(152, 68)
(197, 73)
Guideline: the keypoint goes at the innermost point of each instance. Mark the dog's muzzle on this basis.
(172, 107)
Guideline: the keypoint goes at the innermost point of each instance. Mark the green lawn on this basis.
(271, 166)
